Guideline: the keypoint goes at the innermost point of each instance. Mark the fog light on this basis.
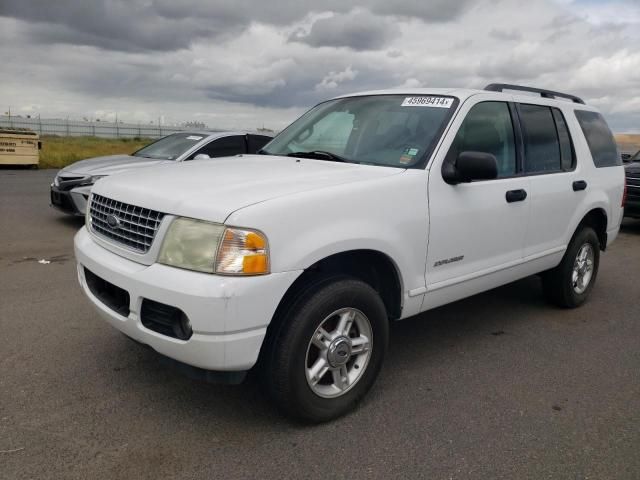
(182, 328)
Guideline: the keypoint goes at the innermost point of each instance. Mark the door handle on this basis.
(516, 195)
(579, 185)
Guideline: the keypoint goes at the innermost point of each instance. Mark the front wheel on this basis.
(569, 284)
(328, 350)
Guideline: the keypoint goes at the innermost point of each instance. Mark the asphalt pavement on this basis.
(500, 385)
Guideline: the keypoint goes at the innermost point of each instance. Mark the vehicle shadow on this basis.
(6, 168)
(71, 221)
(67, 222)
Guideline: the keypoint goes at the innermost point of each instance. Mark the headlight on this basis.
(87, 213)
(91, 180)
(191, 244)
(243, 252)
(214, 248)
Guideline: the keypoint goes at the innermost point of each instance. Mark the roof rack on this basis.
(499, 87)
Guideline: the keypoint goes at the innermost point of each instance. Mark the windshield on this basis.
(389, 130)
(170, 147)
(636, 157)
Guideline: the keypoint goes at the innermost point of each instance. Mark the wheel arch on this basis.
(374, 267)
(597, 219)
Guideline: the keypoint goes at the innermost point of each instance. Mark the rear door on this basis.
(557, 185)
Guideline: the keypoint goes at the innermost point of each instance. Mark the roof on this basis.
(465, 93)
(218, 134)
(461, 93)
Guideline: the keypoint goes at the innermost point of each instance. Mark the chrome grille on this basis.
(135, 227)
(633, 186)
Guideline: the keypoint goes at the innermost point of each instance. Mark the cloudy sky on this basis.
(248, 63)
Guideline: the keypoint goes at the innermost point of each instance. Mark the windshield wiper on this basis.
(320, 154)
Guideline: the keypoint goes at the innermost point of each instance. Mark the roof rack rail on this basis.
(499, 87)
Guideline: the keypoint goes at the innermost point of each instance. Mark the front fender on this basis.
(387, 215)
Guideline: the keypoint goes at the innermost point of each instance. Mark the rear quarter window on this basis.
(599, 138)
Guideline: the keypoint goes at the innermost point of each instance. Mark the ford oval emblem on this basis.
(113, 221)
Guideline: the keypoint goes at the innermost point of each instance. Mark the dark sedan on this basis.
(632, 172)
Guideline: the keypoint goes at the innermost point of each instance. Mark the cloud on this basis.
(114, 25)
(249, 62)
(358, 30)
(160, 25)
(333, 79)
(506, 35)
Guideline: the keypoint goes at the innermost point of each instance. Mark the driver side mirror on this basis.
(470, 166)
(202, 156)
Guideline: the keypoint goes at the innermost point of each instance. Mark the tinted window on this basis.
(488, 128)
(256, 142)
(566, 146)
(541, 144)
(601, 143)
(223, 147)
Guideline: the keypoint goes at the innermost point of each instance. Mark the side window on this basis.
(224, 147)
(256, 142)
(567, 156)
(601, 143)
(541, 143)
(488, 128)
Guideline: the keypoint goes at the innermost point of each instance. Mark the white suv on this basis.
(369, 208)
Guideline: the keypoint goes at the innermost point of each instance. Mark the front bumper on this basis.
(73, 202)
(632, 208)
(229, 315)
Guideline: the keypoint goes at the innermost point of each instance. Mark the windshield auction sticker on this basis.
(437, 102)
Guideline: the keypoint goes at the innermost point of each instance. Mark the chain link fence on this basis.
(66, 128)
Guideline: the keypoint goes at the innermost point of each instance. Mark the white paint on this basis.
(311, 209)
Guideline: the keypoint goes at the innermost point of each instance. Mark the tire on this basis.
(294, 350)
(560, 285)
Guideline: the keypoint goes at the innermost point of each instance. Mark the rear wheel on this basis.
(328, 350)
(569, 284)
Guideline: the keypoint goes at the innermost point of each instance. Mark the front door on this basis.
(477, 229)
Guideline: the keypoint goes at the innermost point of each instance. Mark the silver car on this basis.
(71, 186)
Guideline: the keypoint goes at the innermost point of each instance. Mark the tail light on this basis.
(624, 193)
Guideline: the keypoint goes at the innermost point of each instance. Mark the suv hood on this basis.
(111, 164)
(213, 190)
